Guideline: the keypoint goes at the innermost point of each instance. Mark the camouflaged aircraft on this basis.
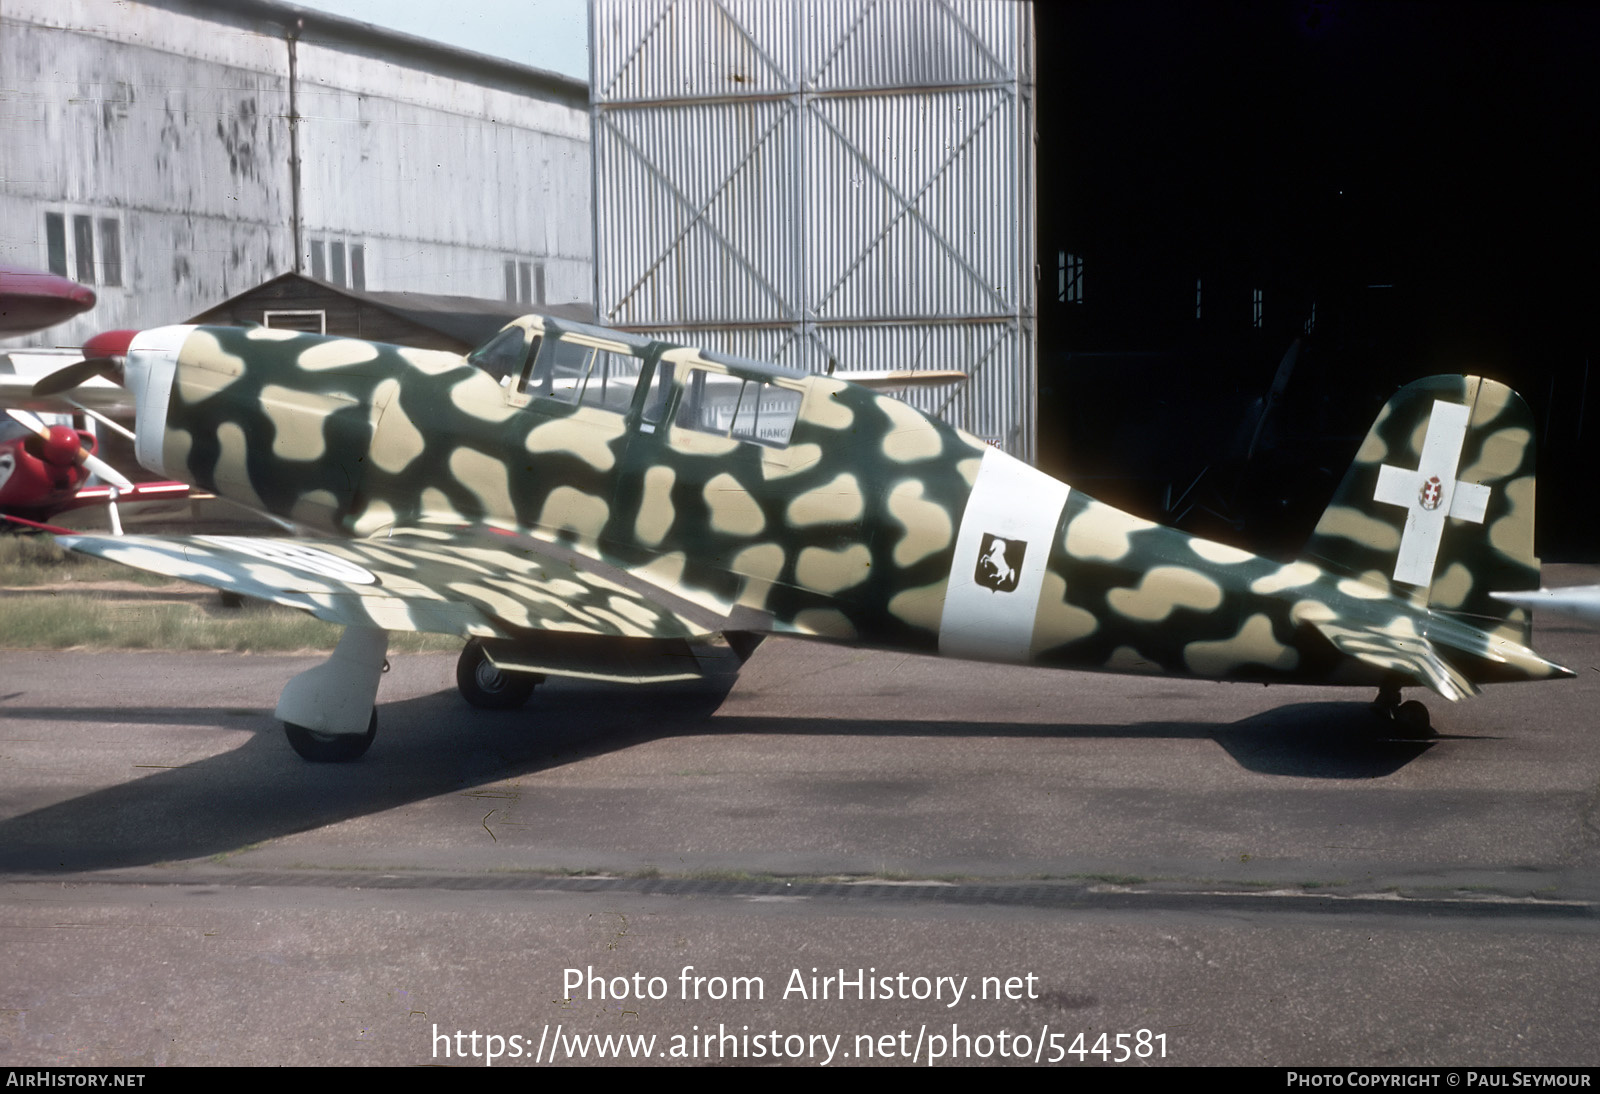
(576, 501)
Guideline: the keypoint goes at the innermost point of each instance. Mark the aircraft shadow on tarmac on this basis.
(435, 745)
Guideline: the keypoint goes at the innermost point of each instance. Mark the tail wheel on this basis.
(488, 687)
(331, 748)
(1411, 717)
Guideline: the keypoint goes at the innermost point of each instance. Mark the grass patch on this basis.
(71, 621)
(103, 620)
(27, 560)
(1115, 879)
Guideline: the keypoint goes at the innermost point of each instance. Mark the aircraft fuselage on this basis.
(794, 502)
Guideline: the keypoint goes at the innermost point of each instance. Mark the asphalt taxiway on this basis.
(1256, 875)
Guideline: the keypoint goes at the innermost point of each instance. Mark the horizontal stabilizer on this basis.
(1578, 601)
(1405, 655)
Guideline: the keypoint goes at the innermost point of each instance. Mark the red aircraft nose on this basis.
(31, 300)
(109, 343)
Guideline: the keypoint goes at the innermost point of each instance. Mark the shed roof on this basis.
(461, 322)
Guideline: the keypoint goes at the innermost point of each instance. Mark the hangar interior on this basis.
(1406, 189)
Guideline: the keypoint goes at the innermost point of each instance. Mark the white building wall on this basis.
(172, 122)
(825, 181)
(159, 124)
(442, 180)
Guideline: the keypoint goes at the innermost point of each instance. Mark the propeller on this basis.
(61, 445)
(103, 355)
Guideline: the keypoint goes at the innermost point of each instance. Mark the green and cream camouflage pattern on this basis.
(580, 501)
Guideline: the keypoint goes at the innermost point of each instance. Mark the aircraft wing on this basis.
(1405, 654)
(426, 582)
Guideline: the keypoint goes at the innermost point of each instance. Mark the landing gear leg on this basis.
(327, 711)
(1388, 700)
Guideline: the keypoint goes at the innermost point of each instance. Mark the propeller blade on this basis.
(29, 420)
(66, 379)
(110, 474)
(103, 420)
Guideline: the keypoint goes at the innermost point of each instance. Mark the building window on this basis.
(336, 262)
(83, 248)
(524, 281)
(339, 261)
(1197, 298)
(1255, 308)
(110, 252)
(73, 254)
(55, 241)
(1069, 277)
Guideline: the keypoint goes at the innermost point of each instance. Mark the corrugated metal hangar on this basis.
(826, 183)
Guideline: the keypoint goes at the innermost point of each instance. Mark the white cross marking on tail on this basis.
(1441, 453)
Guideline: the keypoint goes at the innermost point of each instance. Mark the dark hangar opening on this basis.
(1406, 188)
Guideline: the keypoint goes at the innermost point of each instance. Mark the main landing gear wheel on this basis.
(487, 687)
(331, 748)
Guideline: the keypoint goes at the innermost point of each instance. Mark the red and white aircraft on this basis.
(44, 467)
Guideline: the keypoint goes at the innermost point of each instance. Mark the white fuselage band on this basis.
(1002, 549)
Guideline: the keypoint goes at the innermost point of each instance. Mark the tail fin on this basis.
(1439, 502)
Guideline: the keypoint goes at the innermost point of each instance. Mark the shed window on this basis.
(311, 322)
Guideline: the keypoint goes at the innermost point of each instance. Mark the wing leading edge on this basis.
(403, 583)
